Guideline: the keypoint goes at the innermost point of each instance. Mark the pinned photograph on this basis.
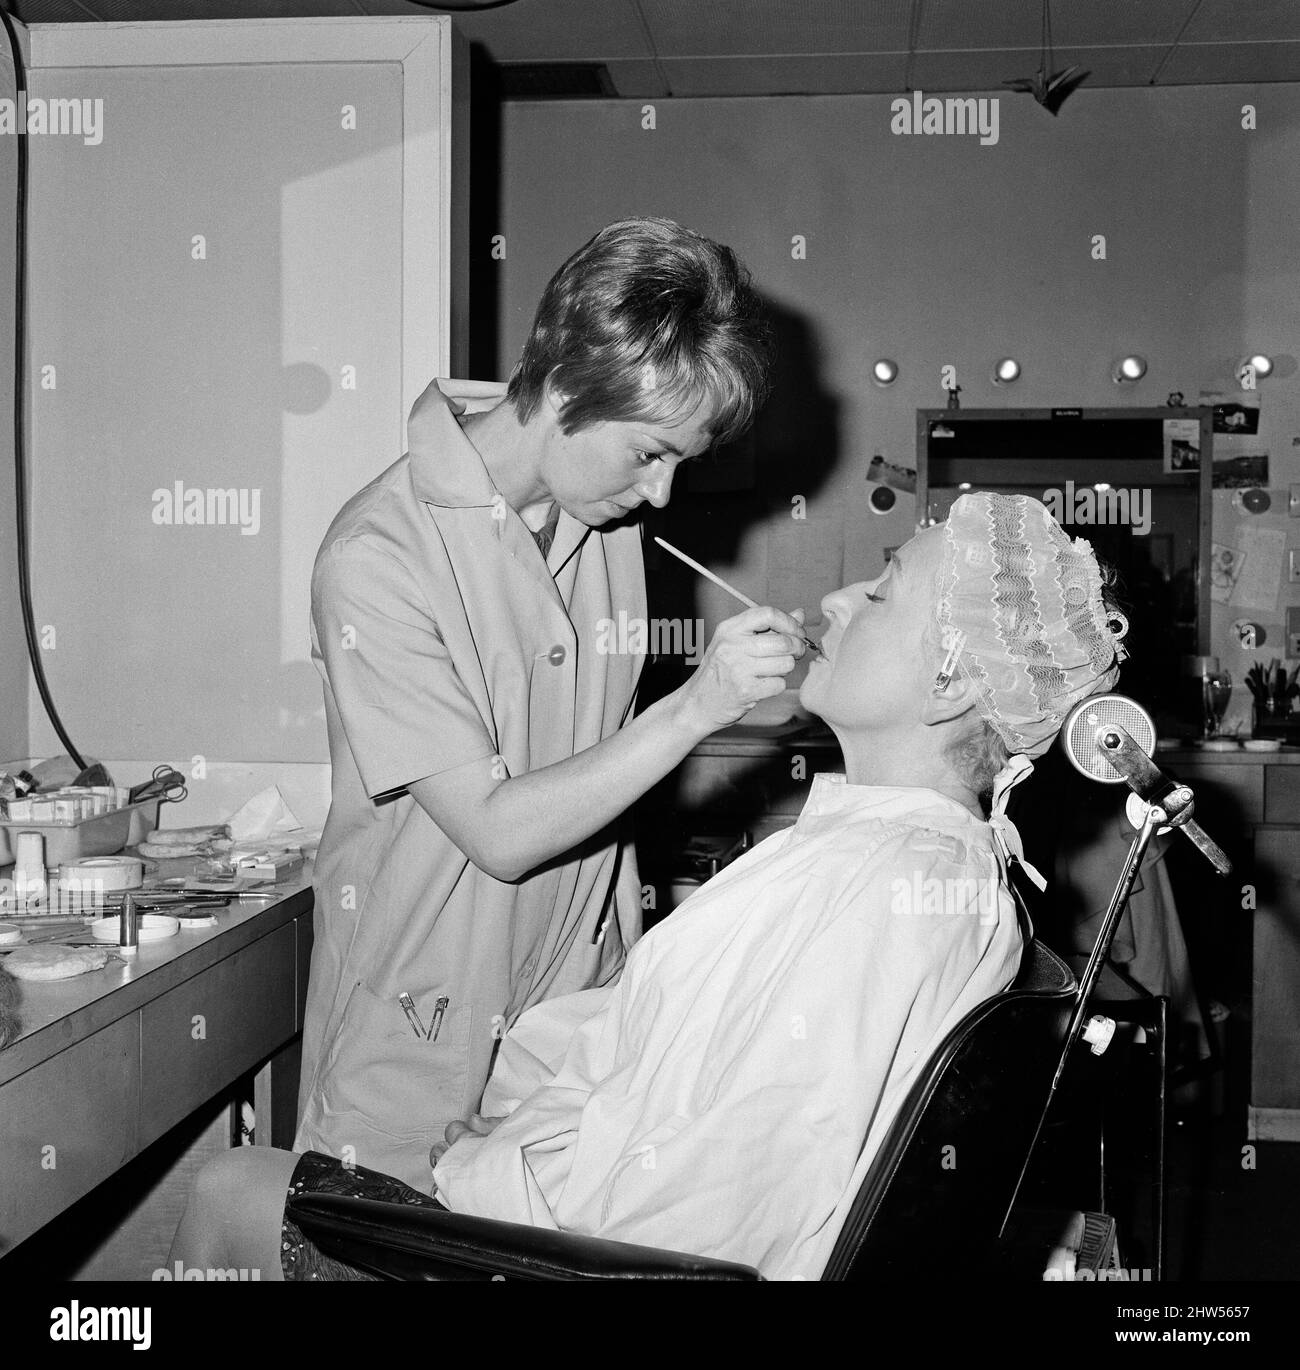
(1244, 472)
(1234, 417)
(1225, 566)
(887, 473)
(1182, 445)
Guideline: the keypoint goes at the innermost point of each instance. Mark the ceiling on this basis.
(685, 48)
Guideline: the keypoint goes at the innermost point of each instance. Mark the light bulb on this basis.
(884, 372)
(1128, 370)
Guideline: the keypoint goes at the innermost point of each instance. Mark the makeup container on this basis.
(29, 867)
(129, 937)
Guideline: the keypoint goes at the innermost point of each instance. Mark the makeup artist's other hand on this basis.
(747, 660)
(474, 1125)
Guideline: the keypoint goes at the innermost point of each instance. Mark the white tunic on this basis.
(716, 1100)
(445, 638)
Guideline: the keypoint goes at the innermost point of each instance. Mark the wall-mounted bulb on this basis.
(1128, 369)
(884, 372)
(1006, 371)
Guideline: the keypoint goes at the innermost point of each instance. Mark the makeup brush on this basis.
(722, 585)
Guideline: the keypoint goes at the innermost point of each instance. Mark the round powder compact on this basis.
(150, 927)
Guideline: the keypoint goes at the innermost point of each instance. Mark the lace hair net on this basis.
(1021, 616)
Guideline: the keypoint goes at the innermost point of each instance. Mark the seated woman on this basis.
(727, 1095)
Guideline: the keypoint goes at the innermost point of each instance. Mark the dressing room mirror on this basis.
(1135, 483)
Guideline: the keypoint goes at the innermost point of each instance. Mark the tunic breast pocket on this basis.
(394, 1081)
(552, 697)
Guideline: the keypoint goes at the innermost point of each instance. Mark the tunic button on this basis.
(556, 656)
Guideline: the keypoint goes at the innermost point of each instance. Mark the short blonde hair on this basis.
(647, 298)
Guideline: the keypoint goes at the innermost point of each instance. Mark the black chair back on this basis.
(933, 1204)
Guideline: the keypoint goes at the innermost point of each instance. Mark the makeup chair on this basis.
(940, 1193)
(943, 1180)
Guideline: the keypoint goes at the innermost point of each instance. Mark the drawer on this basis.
(82, 1105)
(201, 1036)
(1282, 794)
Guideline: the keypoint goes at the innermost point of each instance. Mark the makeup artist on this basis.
(475, 861)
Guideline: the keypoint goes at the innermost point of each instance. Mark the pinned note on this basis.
(1259, 580)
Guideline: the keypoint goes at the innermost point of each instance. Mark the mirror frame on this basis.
(1203, 413)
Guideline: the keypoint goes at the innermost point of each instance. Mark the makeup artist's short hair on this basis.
(644, 322)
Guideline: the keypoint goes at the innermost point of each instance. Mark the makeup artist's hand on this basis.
(474, 1125)
(747, 660)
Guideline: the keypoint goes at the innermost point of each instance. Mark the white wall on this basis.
(936, 251)
(13, 656)
(240, 286)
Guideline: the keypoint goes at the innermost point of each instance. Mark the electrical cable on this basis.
(20, 397)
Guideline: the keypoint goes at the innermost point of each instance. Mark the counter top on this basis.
(111, 1062)
(750, 742)
(1239, 756)
(741, 741)
(60, 1013)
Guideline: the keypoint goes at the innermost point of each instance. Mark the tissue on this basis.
(265, 815)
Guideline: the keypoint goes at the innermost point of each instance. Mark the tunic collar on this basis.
(832, 796)
(446, 468)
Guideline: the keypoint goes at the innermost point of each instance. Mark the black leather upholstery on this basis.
(941, 1184)
(406, 1242)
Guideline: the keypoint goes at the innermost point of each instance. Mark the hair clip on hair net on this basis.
(1036, 635)
(954, 640)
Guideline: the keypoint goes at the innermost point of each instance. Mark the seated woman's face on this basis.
(876, 664)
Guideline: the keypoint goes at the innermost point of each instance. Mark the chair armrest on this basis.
(411, 1242)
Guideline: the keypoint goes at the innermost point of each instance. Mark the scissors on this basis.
(167, 786)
